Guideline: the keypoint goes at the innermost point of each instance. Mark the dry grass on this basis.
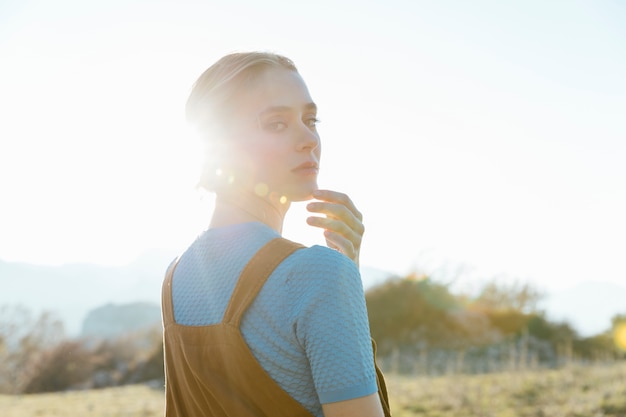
(128, 401)
(576, 391)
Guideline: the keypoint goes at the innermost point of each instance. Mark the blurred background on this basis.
(484, 142)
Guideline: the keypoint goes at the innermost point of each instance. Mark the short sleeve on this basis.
(332, 325)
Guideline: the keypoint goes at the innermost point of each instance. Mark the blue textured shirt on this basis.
(308, 326)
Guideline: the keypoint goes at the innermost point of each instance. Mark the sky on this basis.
(479, 139)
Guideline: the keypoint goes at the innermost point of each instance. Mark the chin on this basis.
(301, 193)
(301, 197)
(306, 198)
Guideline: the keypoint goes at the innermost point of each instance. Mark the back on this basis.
(209, 369)
(307, 327)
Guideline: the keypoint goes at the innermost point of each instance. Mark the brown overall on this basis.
(210, 371)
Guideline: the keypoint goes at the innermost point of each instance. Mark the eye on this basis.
(312, 122)
(275, 125)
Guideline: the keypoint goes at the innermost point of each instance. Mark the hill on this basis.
(73, 290)
(111, 320)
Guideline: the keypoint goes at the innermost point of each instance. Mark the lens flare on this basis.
(261, 189)
(619, 334)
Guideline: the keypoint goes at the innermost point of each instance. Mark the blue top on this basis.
(308, 326)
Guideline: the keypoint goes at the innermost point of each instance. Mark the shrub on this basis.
(60, 368)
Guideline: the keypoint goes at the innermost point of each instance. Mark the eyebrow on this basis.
(281, 109)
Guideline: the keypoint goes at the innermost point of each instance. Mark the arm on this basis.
(368, 406)
(343, 224)
(332, 326)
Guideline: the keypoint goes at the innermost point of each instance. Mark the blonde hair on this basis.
(212, 102)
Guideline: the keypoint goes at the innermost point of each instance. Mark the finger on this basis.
(340, 243)
(337, 227)
(338, 212)
(338, 198)
(331, 209)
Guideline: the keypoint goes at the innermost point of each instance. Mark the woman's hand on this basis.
(343, 224)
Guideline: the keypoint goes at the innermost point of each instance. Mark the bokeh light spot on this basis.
(283, 200)
(261, 189)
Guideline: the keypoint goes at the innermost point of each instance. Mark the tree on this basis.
(618, 329)
(514, 295)
(404, 311)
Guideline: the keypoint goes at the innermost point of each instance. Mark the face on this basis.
(277, 147)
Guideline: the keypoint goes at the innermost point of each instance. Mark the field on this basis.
(570, 392)
(575, 391)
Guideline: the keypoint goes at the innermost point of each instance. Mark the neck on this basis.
(241, 206)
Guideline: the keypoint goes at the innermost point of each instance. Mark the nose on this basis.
(308, 139)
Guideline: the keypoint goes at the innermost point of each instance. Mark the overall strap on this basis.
(382, 385)
(166, 294)
(254, 275)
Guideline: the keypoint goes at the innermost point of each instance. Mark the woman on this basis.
(306, 325)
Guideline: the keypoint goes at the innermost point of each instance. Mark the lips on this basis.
(307, 168)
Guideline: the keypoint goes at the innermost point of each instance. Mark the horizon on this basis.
(140, 281)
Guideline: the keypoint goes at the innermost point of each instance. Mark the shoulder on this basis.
(320, 273)
(321, 261)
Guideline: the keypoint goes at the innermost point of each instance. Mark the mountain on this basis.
(113, 320)
(72, 291)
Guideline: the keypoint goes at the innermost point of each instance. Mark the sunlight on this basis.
(97, 163)
(94, 173)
